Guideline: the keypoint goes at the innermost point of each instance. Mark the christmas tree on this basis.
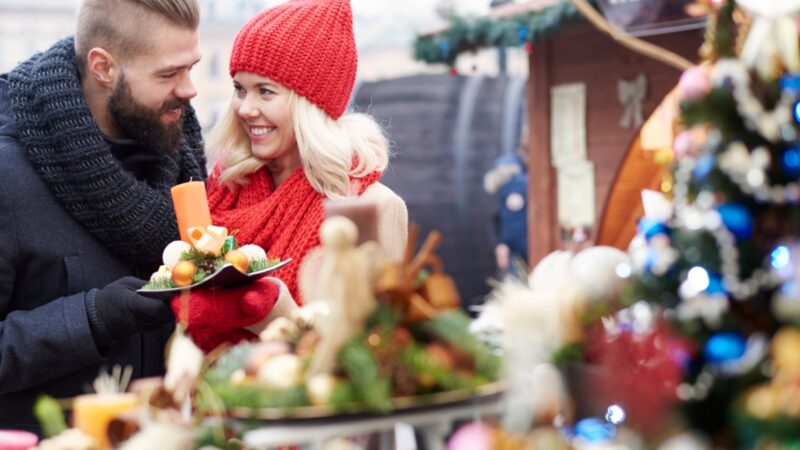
(720, 266)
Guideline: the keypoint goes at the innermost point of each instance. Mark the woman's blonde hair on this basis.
(331, 150)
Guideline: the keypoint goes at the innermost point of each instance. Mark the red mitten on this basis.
(219, 315)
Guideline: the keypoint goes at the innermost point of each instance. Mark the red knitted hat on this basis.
(306, 46)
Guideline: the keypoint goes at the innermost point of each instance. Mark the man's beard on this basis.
(143, 124)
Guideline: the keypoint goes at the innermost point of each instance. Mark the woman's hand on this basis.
(215, 316)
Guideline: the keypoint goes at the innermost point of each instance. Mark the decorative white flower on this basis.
(71, 439)
(161, 435)
(183, 365)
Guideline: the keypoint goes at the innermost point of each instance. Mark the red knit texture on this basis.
(284, 221)
(304, 45)
(216, 316)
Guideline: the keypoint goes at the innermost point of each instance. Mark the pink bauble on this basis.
(472, 436)
(682, 144)
(694, 83)
(17, 440)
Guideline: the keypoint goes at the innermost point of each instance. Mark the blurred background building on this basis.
(384, 33)
(446, 125)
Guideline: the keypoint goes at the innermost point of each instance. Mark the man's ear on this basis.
(102, 66)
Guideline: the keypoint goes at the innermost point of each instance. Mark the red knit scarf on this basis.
(284, 221)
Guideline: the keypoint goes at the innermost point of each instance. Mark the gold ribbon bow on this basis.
(209, 239)
(772, 36)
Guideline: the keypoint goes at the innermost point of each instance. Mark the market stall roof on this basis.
(508, 25)
(507, 10)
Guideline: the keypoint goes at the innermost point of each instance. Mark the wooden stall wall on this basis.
(446, 134)
(581, 54)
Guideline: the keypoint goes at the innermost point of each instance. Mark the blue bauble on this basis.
(790, 83)
(650, 227)
(725, 346)
(737, 219)
(523, 34)
(593, 429)
(791, 162)
(715, 285)
(703, 166)
(796, 109)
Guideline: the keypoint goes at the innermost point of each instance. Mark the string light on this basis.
(780, 257)
(698, 279)
(767, 122)
(615, 414)
(685, 215)
(754, 181)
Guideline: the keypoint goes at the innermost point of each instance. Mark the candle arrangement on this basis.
(93, 412)
(210, 250)
(371, 336)
(204, 251)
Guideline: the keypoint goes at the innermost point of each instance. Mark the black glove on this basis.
(117, 311)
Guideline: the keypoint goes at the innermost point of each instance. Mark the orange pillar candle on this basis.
(91, 413)
(191, 207)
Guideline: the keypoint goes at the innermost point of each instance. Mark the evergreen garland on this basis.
(466, 34)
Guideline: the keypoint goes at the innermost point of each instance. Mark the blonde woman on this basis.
(285, 145)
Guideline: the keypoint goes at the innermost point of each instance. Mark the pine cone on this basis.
(207, 265)
(404, 383)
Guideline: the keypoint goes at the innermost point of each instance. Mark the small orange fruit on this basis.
(183, 273)
(238, 259)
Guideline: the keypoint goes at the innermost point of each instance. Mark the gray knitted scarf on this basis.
(134, 219)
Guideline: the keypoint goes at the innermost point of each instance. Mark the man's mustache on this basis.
(174, 104)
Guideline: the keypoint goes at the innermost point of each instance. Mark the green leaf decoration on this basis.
(160, 283)
(422, 364)
(258, 265)
(257, 396)
(453, 327)
(50, 415)
(371, 389)
(228, 363)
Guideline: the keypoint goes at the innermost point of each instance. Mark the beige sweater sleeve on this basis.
(392, 219)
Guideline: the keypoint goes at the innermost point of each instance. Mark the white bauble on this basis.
(320, 388)
(686, 441)
(593, 272)
(253, 252)
(281, 372)
(549, 273)
(786, 302)
(173, 251)
(281, 329)
(261, 353)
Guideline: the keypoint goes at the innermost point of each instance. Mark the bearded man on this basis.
(93, 133)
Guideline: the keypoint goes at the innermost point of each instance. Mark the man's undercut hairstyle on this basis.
(122, 26)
